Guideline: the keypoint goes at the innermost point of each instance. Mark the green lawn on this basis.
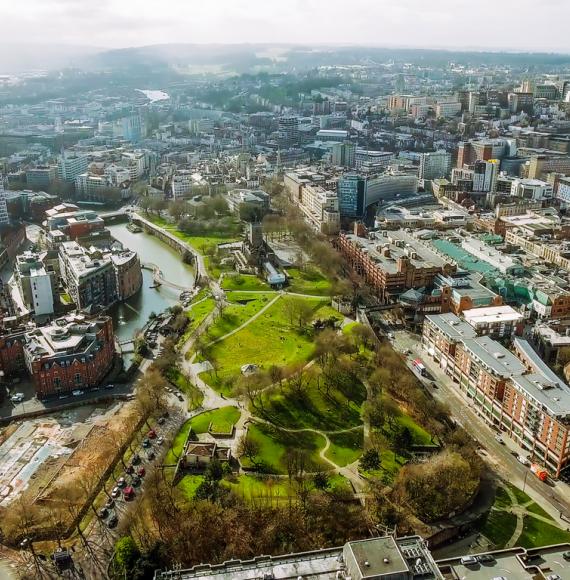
(314, 408)
(188, 485)
(345, 448)
(498, 527)
(536, 533)
(308, 281)
(199, 424)
(243, 306)
(254, 487)
(268, 340)
(536, 509)
(244, 282)
(420, 435)
(273, 446)
(193, 393)
(203, 244)
(196, 314)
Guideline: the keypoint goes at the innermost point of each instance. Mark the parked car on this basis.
(499, 439)
(566, 555)
(141, 472)
(136, 459)
(17, 398)
(103, 513)
(151, 434)
(112, 521)
(469, 560)
(160, 440)
(524, 460)
(109, 386)
(180, 397)
(136, 481)
(110, 503)
(151, 455)
(161, 420)
(146, 443)
(129, 493)
(116, 492)
(553, 577)
(77, 393)
(486, 558)
(121, 482)
(130, 469)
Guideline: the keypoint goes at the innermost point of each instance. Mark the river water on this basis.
(154, 95)
(131, 315)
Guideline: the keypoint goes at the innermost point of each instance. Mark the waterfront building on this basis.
(36, 282)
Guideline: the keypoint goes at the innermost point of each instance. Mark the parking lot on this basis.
(513, 564)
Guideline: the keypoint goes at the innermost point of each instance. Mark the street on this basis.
(553, 497)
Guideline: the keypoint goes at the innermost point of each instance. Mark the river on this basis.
(131, 315)
(154, 95)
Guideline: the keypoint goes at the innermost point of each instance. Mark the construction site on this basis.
(54, 464)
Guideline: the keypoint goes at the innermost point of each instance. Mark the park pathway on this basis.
(247, 322)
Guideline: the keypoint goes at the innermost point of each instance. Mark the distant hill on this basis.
(247, 58)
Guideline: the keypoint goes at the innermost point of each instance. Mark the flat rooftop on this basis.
(451, 325)
(399, 244)
(377, 556)
(494, 356)
(514, 564)
(492, 314)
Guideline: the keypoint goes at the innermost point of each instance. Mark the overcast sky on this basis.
(510, 24)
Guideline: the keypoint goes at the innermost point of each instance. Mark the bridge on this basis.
(159, 278)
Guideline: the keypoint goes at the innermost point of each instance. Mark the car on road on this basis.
(112, 521)
(103, 513)
(77, 393)
(524, 460)
(116, 492)
(566, 555)
(486, 558)
(121, 482)
(499, 439)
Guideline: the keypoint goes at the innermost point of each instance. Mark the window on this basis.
(77, 378)
(57, 383)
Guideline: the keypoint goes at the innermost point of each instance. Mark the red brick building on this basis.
(71, 353)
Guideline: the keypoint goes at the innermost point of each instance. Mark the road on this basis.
(554, 498)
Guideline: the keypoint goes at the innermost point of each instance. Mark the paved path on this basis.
(248, 321)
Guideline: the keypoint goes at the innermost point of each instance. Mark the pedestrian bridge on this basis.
(159, 279)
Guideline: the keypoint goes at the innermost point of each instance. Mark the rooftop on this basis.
(386, 247)
(494, 356)
(452, 326)
(492, 314)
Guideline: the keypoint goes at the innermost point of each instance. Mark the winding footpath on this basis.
(214, 400)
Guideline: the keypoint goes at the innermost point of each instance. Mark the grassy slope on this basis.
(268, 340)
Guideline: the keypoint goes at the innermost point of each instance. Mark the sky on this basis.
(484, 24)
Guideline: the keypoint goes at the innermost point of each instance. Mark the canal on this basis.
(132, 315)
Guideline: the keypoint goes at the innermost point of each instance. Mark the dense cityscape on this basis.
(285, 312)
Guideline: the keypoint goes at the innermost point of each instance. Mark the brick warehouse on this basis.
(73, 352)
